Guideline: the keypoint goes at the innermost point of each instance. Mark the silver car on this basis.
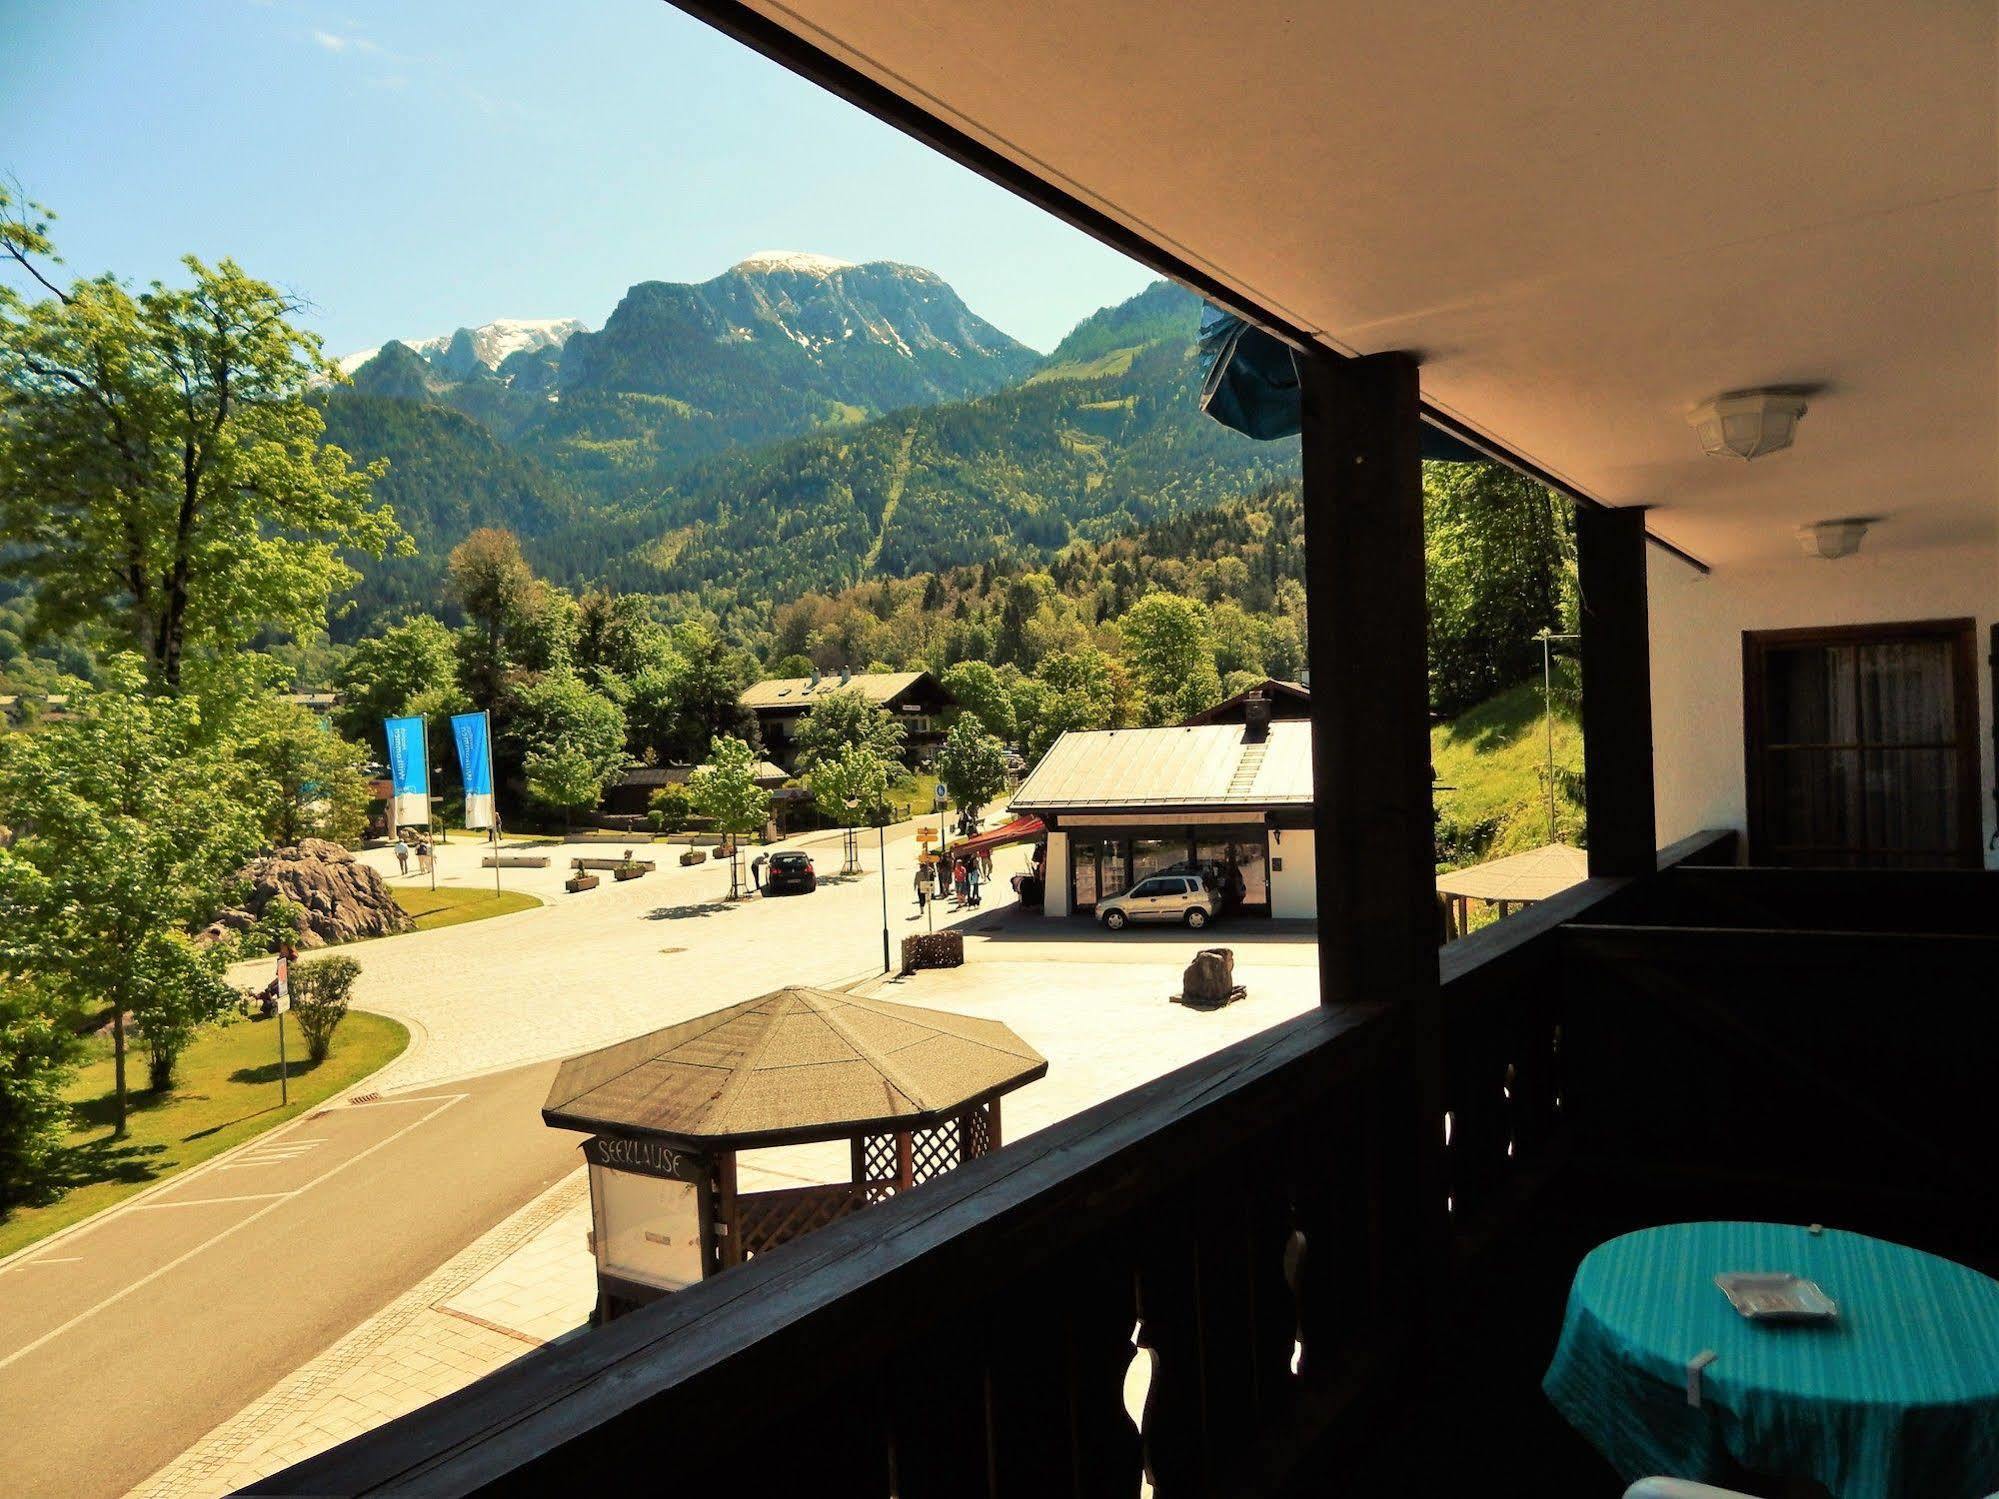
(1162, 897)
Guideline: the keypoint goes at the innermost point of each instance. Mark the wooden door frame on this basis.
(1960, 631)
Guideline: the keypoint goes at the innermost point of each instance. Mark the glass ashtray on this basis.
(1762, 1296)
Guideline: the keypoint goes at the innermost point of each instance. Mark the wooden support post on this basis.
(993, 1125)
(1368, 623)
(905, 1162)
(1376, 845)
(728, 1214)
(1617, 690)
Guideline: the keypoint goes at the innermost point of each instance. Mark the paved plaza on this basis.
(600, 965)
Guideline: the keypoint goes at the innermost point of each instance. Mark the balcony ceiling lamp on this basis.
(1833, 539)
(1747, 423)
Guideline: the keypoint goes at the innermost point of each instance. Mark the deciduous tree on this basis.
(844, 719)
(972, 765)
(304, 779)
(981, 692)
(725, 791)
(1166, 640)
(384, 674)
(850, 788)
(162, 479)
(132, 823)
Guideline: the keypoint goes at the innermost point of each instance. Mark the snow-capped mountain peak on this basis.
(489, 344)
(804, 262)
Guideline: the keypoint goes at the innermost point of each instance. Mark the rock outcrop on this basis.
(339, 899)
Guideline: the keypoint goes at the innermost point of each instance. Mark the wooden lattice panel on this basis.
(932, 1152)
(879, 1168)
(772, 1218)
(976, 1134)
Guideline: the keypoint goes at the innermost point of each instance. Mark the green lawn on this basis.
(448, 905)
(228, 1092)
(917, 792)
(1494, 757)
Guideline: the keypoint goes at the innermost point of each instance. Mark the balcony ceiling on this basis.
(1586, 218)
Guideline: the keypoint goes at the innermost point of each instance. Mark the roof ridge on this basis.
(894, 1075)
(895, 1009)
(740, 1074)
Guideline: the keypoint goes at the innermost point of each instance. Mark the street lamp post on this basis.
(881, 842)
(854, 861)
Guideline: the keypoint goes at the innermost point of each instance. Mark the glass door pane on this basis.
(1083, 859)
(1858, 751)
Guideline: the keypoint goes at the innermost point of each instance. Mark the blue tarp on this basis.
(1250, 384)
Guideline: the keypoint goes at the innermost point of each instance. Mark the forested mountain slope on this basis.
(1105, 436)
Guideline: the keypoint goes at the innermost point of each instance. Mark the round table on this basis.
(1898, 1397)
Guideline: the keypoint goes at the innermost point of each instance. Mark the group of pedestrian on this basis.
(960, 879)
(425, 861)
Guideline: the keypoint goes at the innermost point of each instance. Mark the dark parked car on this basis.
(790, 874)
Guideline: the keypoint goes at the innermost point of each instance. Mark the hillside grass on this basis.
(226, 1093)
(1494, 759)
(1102, 367)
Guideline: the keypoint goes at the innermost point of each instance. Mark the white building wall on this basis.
(1055, 894)
(1294, 889)
(1697, 626)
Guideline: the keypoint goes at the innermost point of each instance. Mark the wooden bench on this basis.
(514, 861)
(612, 865)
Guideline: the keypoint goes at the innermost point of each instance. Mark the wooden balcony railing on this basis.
(1261, 1229)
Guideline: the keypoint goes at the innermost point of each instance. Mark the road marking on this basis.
(71, 1259)
(202, 1202)
(277, 1153)
(383, 1103)
(443, 1101)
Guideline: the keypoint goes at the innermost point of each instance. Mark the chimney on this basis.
(815, 678)
(1255, 718)
(846, 675)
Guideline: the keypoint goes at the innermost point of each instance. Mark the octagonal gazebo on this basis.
(915, 1092)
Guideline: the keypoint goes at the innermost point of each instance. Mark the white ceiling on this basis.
(1585, 216)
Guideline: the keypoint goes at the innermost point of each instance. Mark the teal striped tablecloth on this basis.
(1899, 1399)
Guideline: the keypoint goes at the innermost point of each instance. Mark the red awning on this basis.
(1020, 830)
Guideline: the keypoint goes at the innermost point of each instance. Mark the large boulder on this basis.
(339, 899)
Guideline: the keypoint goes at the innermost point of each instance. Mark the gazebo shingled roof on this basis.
(798, 1064)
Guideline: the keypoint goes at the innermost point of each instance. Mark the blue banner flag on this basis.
(409, 773)
(474, 735)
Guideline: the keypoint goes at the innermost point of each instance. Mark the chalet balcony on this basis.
(1339, 1250)
(1336, 1257)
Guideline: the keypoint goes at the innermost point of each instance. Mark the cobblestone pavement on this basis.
(587, 969)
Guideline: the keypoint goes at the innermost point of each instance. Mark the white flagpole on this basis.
(493, 793)
(429, 803)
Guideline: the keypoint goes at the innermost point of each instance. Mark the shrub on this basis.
(672, 809)
(319, 1000)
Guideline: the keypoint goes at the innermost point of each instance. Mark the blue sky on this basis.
(414, 167)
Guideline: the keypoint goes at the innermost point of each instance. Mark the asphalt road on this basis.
(123, 1342)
